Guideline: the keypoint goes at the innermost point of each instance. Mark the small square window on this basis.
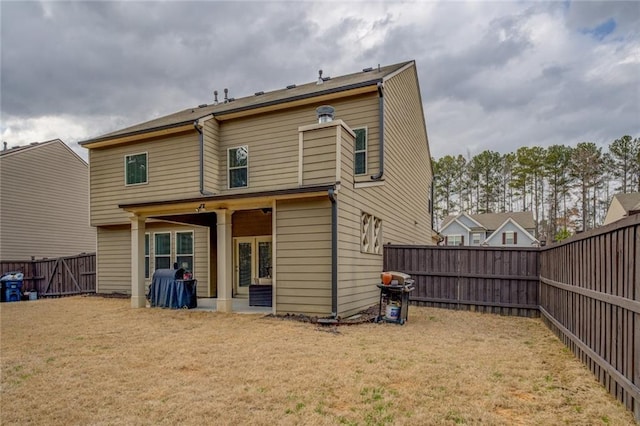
(454, 240)
(237, 166)
(476, 238)
(135, 169)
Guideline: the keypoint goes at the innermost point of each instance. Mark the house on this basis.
(297, 189)
(45, 202)
(622, 205)
(511, 229)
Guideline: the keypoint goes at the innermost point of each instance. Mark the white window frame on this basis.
(365, 151)
(454, 237)
(229, 168)
(509, 235)
(146, 169)
(473, 238)
(147, 255)
(193, 249)
(155, 251)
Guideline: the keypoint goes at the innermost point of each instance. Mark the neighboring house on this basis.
(44, 207)
(622, 205)
(262, 190)
(511, 229)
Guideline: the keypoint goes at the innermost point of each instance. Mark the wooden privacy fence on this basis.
(590, 298)
(486, 279)
(55, 277)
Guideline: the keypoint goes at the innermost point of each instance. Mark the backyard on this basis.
(92, 360)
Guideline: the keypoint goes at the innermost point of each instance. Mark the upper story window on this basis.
(360, 152)
(509, 237)
(135, 168)
(237, 166)
(476, 238)
(454, 240)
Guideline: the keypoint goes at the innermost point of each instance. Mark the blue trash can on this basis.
(11, 285)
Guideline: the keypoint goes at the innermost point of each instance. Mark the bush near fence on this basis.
(56, 277)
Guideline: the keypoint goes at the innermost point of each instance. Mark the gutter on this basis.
(381, 131)
(334, 252)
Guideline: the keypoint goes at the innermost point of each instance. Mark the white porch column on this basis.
(225, 263)
(138, 299)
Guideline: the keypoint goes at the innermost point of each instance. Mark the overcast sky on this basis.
(493, 75)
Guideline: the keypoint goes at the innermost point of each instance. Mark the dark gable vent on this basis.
(259, 93)
(291, 86)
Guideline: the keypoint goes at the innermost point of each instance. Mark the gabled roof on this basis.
(455, 220)
(336, 84)
(491, 221)
(516, 224)
(36, 145)
(629, 201)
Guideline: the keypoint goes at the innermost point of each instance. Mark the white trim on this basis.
(368, 184)
(237, 168)
(317, 126)
(472, 220)
(398, 71)
(517, 225)
(300, 156)
(366, 151)
(455, 219)
(448, 239)
(146, 169)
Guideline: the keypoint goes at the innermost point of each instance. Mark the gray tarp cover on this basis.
(168, 291)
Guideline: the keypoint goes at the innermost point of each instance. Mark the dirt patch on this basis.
(91, 360)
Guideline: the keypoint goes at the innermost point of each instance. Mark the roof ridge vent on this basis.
(291, 86)
(259, 93)
(215, 97)
(367, 69)
(202, 105)
(226, 95)
(320, 80)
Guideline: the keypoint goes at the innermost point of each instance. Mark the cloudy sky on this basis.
(493, 75)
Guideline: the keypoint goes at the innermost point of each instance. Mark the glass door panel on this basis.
(243, 265)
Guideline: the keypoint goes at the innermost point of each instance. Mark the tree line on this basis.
(567, 188)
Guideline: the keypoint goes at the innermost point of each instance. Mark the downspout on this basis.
(334, 253)
(198, 127)
(381, 131)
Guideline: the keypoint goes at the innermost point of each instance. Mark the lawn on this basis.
(89, 360)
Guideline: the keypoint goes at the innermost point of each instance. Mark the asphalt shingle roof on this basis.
(491, 221)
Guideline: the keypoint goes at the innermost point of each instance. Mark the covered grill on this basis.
(169, 290)
(394, 297)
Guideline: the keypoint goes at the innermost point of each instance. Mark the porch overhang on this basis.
(244, 200)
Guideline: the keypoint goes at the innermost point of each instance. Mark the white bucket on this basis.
(392, 312)
(33, 295)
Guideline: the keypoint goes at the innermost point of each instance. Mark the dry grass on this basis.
(86, 360)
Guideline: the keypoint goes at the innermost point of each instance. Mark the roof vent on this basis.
(320, 80)
(291, 86)
(259, 93)
(226, 95)
(4, 146)
(232, 99)
(215, 97)
(367, 69)
(202, 105)
(325, 113)
(327, 78)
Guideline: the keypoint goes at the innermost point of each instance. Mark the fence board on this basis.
(56, 277)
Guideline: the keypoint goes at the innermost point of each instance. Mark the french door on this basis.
(252, 263)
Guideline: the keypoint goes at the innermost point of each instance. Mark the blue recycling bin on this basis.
(11, 286)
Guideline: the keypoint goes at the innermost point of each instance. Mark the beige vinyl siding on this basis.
(211, 131)
(114, 256)
(319, 156)
(303, 264)
(44, 211)
(401, 202)
(273, 141)
(173, 172)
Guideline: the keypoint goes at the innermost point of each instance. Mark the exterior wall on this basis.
(401, 201)
(303, 256)
(318, 154)
(455, 228)
(211, 135)
(466, 221)
(44, 210)
(495, 239)
(114, 256)
(273, 141)
(173, 172)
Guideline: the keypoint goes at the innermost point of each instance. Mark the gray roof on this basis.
(308, 90)
(491, 221)
(629, 201)
(25, 147)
